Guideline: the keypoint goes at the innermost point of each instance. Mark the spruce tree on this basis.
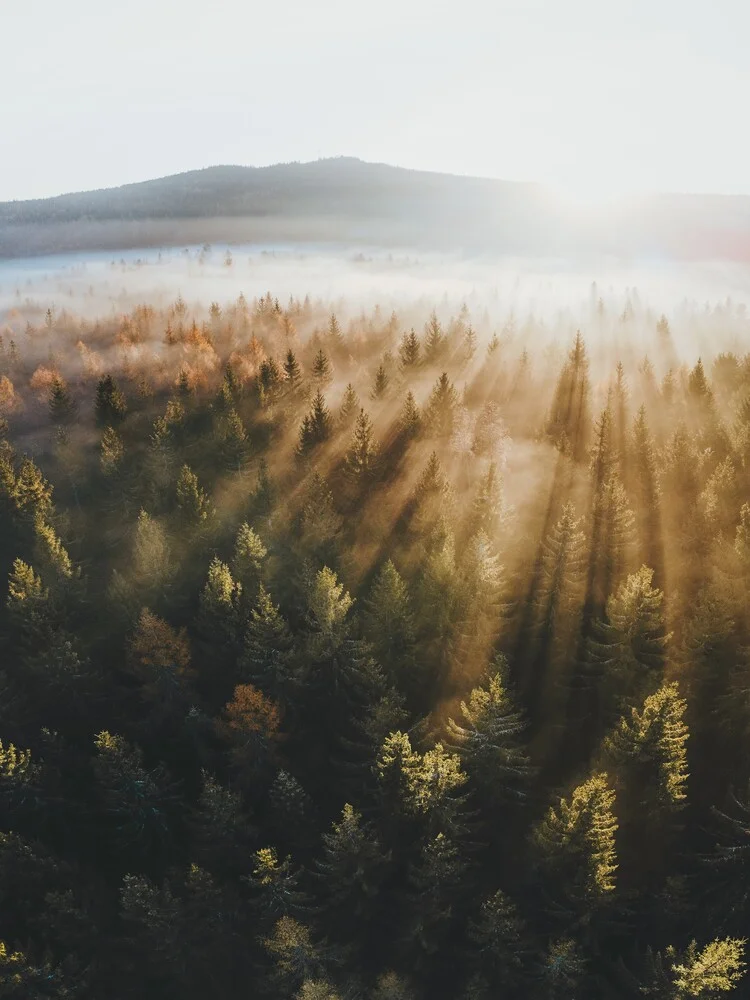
(110, 406)
(409, 352)
(349, 406)
(362, 456)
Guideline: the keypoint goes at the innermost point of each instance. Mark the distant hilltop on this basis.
(346, 200)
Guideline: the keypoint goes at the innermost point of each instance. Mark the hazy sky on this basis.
(592, 96)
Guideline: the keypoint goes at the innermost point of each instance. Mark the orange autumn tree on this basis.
(159, 656)
(250, 722)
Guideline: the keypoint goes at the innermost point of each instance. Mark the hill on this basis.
(345, 200)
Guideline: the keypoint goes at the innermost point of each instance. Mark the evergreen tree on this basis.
(434, 340)
(292, 373)
(362, 456)
(247, 560)
(410, 419)
(351, 872)
(389, 625)
(193, 505)
(322, 370)
(648, 748)
(349, 406)
(266, 654)
(380, 384)
(575, 845)
(440, 412)
(409, 352)
(316, 427)
(489, 738)
(62, 405)
(110, 406)
(568, 420)
(111, 452)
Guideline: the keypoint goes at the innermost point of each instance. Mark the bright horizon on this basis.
(592, 103)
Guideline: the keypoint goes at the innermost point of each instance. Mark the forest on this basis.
(358, 655)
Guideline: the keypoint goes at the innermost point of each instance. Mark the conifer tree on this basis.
(351, 871)
(440, 412)
(648, 750)
(110, 406)
(409, 352)
(266, 654)
(362, 456)
(575, 845)
(193, 505)
(247, 560)
(434, 340)
(111, 452)
(322, 370)
(316, 428)
(349, 406)
(292, 373)
(435, 884)
(62, 405)
(489, 737)
(137, 801)
(380, 384)
(568, 421)
(410, 419)
(628, 647)
(159, 656)
(276, 886)
(389, 624)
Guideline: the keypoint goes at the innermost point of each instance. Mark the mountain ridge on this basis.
(345, 199)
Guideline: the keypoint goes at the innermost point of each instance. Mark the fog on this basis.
(555, 292)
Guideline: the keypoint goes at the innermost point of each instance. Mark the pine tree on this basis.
(247, 560)
(435, 884)
(487, 506)
(434, 340)
(409, 352)
(136, 800)
(219, 608)
(62, 406)
(498, 936)
(489, 737)
(32, 494)
(704, 974)
(316, 427)
(295, 957)
(648, 749)
(568, 421)
(351, 872)
(192, 502)
(322, 370)
(292, 373)
(440, 412)
(380, 384)
(362, 456)
(389, 625)
(575, 845)
(267, 648)
(250, 723)
(264, 496)
(410, 419)
(111, 452)
(159, 657)
(109, 405)
(645, 482)
(628, 647)
(349, 406)
(276, 886)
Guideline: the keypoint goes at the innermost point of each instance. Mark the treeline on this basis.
(347, 661)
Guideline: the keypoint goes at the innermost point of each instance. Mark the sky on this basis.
(594, 99)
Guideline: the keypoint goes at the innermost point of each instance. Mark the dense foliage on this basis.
(347, 661)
